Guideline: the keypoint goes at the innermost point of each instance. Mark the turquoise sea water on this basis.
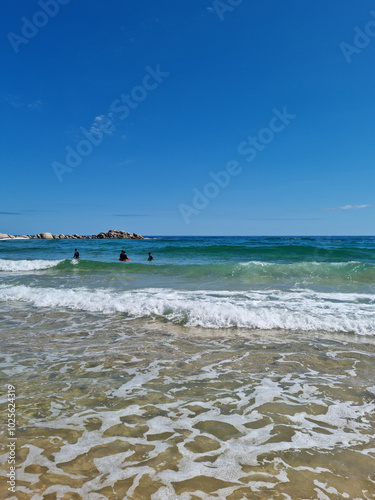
(225, 368)
(327, 284)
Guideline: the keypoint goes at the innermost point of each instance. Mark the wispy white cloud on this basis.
(124, 163)
(283, 219)
(101, 121)
(35, 105)
(130, 215)
(16, 102)
(13, 100)
(348, 207)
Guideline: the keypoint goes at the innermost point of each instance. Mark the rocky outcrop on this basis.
(11, 236)
(114, 234)
(117, 234)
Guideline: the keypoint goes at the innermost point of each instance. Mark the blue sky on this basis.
(153, 99)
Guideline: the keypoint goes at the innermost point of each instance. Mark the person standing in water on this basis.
(123, 256)
(150, 257)
(76, 254)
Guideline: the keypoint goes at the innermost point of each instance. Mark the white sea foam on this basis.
(344, 425)
(304, 310)
(26, 265)
(219, 421)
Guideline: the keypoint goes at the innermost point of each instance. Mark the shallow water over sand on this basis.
(109, 408)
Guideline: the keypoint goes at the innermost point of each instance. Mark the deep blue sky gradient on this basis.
(226, 76)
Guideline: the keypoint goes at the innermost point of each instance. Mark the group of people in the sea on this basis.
(123, 256)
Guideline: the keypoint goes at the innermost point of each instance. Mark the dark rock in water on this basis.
(117, 234)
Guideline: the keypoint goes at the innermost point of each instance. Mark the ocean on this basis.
(227, 368)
